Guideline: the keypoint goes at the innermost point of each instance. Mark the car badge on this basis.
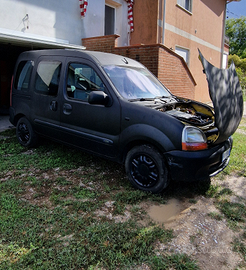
(125, 61)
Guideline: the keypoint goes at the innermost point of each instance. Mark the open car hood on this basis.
(226, 95)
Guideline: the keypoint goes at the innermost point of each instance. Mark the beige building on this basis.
(184, 26)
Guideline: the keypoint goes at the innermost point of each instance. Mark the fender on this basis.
(143, 132)
(22, 109)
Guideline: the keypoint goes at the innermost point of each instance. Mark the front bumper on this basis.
(198, 165)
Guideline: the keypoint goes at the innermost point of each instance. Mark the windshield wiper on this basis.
(141, 99)
(159, 97)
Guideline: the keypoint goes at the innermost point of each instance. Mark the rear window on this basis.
(47, 78)
(23, 75)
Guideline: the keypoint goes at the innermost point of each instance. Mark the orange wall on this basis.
(205, 25)
(203, 29)
(145, 13)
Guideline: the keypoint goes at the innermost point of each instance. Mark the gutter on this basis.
(17, 37)
(223, 38)
(163, 21)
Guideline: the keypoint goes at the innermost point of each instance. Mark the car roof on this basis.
(101, 58)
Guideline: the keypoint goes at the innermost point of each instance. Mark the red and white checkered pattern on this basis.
(83, 7)
(130, 14)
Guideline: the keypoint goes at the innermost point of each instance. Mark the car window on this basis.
(81, 80)
(23, 75)
(47, 78)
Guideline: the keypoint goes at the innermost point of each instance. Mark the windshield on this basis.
(135, 83)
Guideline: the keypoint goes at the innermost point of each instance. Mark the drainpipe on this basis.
(163, 21)
(223, 38)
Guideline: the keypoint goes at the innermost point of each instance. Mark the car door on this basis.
(90, 126)
(45, 99)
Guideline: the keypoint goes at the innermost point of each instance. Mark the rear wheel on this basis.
(146, 169)
(25, 134)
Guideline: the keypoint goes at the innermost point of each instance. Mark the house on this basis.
(34, 24)
(165, 38)
(182, 26)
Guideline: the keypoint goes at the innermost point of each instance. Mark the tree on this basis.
(240, 65)
(236, 31)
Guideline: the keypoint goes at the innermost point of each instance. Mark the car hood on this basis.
(226, 95)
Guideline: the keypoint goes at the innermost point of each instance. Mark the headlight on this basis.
(193, 139)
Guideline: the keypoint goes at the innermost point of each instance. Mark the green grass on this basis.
(49, 200)
(238, 159)
(57, 209)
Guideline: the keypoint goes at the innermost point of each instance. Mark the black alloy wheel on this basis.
(146, 169)
(25, 134)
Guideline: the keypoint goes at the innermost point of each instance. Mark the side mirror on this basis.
(99, 98)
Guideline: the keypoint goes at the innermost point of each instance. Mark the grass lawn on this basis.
(63, 209)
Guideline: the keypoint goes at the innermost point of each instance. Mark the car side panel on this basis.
(92, 127)
(143, 123)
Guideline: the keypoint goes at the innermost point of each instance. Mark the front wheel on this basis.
(146, 169)
(25, 133)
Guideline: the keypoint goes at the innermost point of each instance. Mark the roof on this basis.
(102, 59)
(19, 38)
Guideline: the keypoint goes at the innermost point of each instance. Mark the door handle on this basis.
(53, 105)
(67, 108)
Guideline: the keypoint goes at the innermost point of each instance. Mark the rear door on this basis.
(92, 127)
(46, 105)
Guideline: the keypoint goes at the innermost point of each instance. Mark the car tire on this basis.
(25, 133)
(146, 169)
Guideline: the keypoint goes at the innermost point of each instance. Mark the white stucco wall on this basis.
(60, 20)
(93, 23)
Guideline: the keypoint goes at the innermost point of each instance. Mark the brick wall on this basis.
(165, 64)
(102, 43)
(175, 74)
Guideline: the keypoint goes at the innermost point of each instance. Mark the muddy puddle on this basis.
(166, 212)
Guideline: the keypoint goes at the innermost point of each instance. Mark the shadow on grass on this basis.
(187, 189)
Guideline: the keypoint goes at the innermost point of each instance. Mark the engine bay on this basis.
(193, 113)
(190, 113)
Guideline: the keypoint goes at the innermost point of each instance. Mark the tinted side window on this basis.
(23, 75)
(47, 78)
(81, 80)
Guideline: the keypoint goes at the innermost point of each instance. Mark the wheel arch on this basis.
(17, 117)
(144, 135)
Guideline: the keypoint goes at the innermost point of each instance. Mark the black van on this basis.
(114, 107)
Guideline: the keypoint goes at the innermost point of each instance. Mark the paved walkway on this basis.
(4, 123)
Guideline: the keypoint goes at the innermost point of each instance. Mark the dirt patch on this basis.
(166, 213)
(205, 239)
(235, 183)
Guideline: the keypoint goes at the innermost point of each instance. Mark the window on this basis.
(186, 4)
(23, 75)
(48, 76)
(109, 26)
(183, 53)
(81, 80)
(225, 60)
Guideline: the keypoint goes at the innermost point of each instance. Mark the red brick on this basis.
(169, 67)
